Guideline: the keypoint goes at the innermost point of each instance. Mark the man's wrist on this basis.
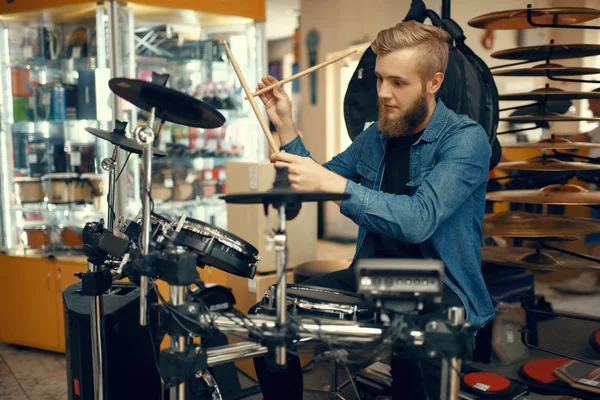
(334, 184)
(287, 132)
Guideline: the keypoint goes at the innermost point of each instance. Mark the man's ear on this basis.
(434, 84)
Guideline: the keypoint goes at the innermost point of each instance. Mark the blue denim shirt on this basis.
(444, 214)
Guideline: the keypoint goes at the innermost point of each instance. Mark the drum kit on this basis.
(150, 247)
(547, 109)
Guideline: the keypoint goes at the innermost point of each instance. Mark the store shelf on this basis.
(58, 65)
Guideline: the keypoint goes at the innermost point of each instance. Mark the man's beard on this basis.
(401, 125)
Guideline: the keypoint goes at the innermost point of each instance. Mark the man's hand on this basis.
(307, 175)
(279, 109)
(277, 103)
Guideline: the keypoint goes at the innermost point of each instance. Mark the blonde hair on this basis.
(430, 41)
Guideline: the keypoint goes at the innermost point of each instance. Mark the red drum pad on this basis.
(595, 340)
(489, 385)
(541, 373)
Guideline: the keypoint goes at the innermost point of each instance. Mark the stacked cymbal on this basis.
(550, 106)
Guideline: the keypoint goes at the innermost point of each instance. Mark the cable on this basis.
(123, 168)
(352, 381)
(111, 209)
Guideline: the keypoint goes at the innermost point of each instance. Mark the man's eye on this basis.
(398, 83)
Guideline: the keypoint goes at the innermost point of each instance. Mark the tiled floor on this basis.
(39, 375)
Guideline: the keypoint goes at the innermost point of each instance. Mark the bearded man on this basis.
(417, 181)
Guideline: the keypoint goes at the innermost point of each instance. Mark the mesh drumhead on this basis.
(322, 295)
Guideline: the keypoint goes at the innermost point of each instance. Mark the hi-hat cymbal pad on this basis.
(118, 139)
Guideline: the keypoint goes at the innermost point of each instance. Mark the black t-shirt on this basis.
(395, 177)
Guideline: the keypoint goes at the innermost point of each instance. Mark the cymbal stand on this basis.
(555, 24)
(95, 283)
(96, 299)
(450, 382)
(281, 297)
(145, 136)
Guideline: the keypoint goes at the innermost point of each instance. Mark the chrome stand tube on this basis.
(450, 383)
(177, 342)
(97, 336)
(281, 305)
(145, 136)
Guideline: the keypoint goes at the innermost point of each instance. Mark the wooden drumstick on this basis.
(263, 123)
(300, 74)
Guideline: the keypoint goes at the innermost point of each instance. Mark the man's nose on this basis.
(384, 92)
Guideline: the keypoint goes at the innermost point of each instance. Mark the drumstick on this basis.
(300, 74)
(264, 125)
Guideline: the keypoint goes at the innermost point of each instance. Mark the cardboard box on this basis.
(248, 221)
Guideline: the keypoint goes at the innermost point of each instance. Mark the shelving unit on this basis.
(39, 141)
(53, 77)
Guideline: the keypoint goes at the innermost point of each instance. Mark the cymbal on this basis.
(553, 106)
(550, 94)
(547, 164)
(119, 139)
(517, 19)
(529, 258)
(170, 105)
(282, 196)
(554, 51)
(547, 69)
(565, 195)
(552, 143)
(548, 116)
(519, 224)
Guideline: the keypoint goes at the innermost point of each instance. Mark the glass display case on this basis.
(54, 71)
(53, 81)
(187, 45)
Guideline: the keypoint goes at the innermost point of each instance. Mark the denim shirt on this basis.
(448, 176)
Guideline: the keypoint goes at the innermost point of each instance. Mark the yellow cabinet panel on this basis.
(65, 277)
(28, 302)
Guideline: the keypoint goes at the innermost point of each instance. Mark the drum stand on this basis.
(332, 389)
(280, 241)
(101, 281)
(178, 268)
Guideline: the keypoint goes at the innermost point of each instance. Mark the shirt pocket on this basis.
(414, 184)
(367, 174)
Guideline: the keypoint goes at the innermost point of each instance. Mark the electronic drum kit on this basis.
(150, 247)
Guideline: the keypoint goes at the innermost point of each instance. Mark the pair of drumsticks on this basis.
(250, 95)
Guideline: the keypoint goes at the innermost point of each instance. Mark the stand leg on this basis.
(177, 342)
(97, 335)
(450, 383)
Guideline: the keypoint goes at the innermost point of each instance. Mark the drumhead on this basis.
(322, 294)
(221, 235)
